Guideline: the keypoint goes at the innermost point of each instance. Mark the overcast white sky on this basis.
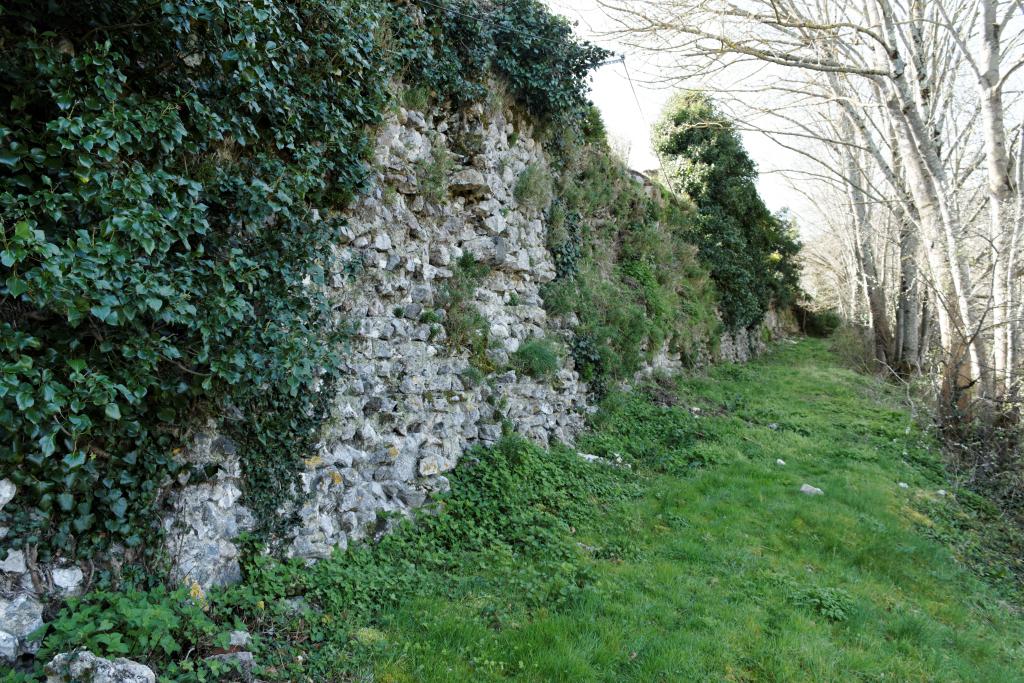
(624, 120)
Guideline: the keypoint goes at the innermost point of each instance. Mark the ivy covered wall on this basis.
(172, 176)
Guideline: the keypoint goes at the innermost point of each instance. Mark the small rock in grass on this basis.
(239, 639)
(81, 666)
(773, 426)
(780, 462)
(809, 490)
(239, 665)
(941, 492)
(904, 485)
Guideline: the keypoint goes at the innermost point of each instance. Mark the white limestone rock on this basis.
(83, 666)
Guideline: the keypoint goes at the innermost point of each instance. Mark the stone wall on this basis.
(410, 403)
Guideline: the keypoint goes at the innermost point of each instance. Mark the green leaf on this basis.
(16, 285)
(22, 231)
(65, 501)
(112, 411)
(25, 400)
(75, 459)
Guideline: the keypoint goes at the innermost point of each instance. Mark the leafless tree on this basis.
(901, 110)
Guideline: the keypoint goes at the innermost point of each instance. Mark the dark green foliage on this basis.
(749, 252)
(538, 358)
(162, 163)
(834, 604)
(170, 175)
(817, 323)
(533, 51)
(149, 625)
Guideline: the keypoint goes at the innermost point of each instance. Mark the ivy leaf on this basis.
(25, 400)
(16, 285)
(112, 411)
(82, 524)
(75, 459)
(119, 507)
(65, 501)
(101, 312)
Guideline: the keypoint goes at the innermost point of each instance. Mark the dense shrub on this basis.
(170, 179)
(162, 166)
(749, 252)
(534, 52)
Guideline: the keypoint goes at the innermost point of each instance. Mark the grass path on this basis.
(700, 562)
(719, 569)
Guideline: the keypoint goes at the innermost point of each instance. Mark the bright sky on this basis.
(622, 116)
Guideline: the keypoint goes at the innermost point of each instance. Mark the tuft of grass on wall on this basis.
(538, 358)
(534, 187)
(465, 325)
(433, 172)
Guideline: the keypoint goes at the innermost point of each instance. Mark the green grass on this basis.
(701, 561)
(721, 570)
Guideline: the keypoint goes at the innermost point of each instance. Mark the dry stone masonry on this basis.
(411, 404)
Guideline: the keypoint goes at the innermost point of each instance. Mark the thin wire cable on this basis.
(663, 179)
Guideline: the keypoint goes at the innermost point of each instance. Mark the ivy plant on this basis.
(172, 175)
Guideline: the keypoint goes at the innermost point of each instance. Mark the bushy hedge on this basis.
(544, 67)
(749, 251)
(170, 180)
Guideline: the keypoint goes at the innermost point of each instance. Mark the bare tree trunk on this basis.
(873, 286)
(909, 351)
(1015, 306)
(1000, 190)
